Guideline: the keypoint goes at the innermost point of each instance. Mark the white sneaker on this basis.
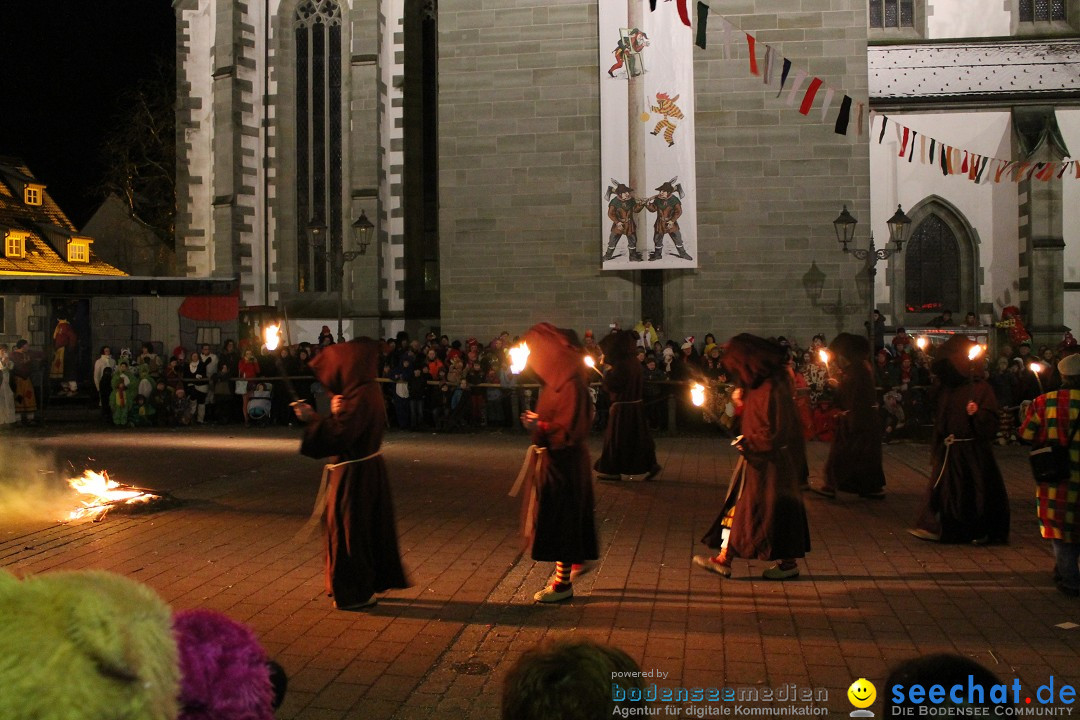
(551, 595)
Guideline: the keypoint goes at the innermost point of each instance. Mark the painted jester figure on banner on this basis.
(628, 51)
(666, 108)
(622, 206)
(668, 209)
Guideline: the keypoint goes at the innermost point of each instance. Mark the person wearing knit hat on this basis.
(854, 464)
(85, 644)
(1058, 503)
(965, 500)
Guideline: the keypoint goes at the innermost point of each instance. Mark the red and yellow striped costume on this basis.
(666, 106)
(1048, 420)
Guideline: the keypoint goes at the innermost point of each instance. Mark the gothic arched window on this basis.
(318, 139)
(932, 268)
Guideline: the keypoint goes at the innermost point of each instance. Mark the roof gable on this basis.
(48, 227)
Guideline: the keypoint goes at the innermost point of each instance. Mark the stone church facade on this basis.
(469, 134)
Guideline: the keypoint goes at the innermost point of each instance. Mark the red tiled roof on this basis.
(43, 222)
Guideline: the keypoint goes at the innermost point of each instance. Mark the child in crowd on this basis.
(892, 412)
(259, 406)
(182, 409)
(105, 390)
(161, 400)
(118, 401)
(142, 414)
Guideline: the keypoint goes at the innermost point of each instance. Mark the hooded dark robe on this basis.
(966, 499)
(565, 530)
(854, 463)
(763, 508)
(628, 446)
(362, 554)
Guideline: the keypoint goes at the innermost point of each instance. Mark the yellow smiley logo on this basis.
(862, 693)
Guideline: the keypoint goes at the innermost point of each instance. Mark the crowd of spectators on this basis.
(436, 383)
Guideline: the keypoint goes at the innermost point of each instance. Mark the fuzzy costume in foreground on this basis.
(224, 669)
(87, 644)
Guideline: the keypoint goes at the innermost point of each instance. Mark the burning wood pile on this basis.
(99, 496)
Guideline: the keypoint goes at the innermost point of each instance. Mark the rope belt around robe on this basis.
(320, 498)
(949, 440)
(529, 479)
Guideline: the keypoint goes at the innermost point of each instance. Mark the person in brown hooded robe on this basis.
(854, 464)
(628, 445)
(763, 516)
(362, 556)
(966, 500)
(558, 502)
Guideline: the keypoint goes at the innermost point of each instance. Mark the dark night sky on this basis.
(64, 64)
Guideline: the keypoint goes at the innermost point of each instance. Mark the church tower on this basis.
(295, 129)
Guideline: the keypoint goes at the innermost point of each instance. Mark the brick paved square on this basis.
(869, 596)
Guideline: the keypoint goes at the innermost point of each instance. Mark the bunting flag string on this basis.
(951, 160)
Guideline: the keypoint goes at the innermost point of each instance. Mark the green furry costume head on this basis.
(85, 644)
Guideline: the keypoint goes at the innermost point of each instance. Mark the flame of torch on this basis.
(921, 342)
(823, 355)
(591, 363)
(519, 355)
(1036, 367)
(697, 394)
(271, 337)
(975, 351)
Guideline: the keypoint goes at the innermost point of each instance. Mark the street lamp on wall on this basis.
(844, 225)
(362, 232)
(898, 227)
(337, 256)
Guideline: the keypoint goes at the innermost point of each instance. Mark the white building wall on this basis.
(967, 19)
(1069, 122)
(198, 257)
(392, 225)
(989, 208)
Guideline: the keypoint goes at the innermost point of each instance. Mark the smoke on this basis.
(32, 486)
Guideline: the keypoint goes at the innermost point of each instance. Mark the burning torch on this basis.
(1037, 367)
(272, 338)
(697, 394)
(591, 363)
(921, 342)
(519, 355)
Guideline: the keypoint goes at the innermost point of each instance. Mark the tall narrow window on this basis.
(1042, 10)
(892, 13)
(932, 268)
(318, 140)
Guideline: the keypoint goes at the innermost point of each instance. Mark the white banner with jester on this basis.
(648, 184)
